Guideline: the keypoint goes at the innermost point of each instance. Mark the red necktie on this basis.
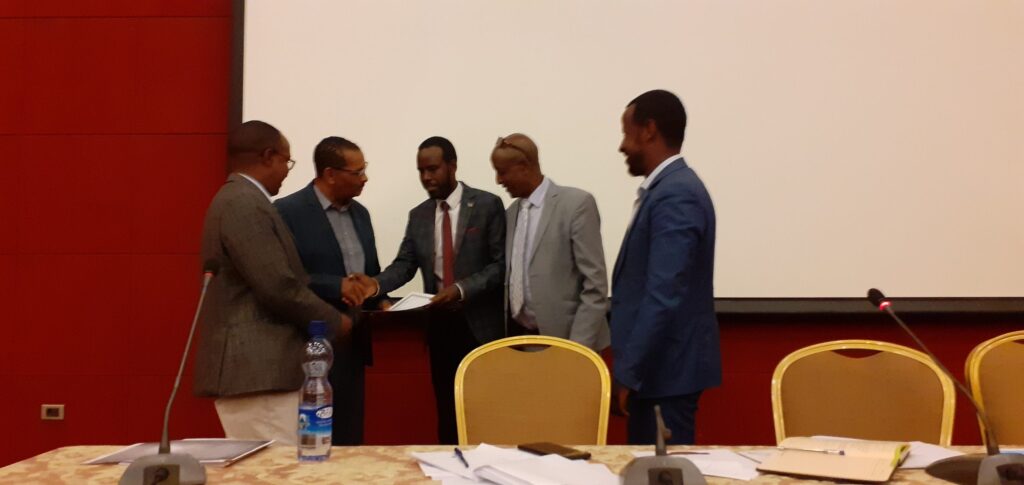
(447, 250)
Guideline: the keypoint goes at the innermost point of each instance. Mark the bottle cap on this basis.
(317, 328)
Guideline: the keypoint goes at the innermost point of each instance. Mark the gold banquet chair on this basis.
(896, 393)
(552, 390)
(993, 371)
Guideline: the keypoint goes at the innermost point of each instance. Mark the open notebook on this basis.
(864, 461)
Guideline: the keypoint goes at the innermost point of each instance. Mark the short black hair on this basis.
(667, 112)
(253, 136)
(447, 149)
(328, 153)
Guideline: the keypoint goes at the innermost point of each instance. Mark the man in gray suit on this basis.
(557, 284)
(259, 306)
(456, 239)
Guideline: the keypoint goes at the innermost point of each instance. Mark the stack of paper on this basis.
(505, 466)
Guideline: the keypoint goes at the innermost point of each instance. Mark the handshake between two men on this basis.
(357, 287)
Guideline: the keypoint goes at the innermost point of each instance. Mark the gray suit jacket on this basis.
(479, 258)
(253, 327)
(568, 280)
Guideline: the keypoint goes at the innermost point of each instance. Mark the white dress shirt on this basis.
(257, 184)
(344, 228)
(646, 184)
(530, 209)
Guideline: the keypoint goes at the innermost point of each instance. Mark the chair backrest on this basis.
(993, 369)
(893, 393)
(533, 388)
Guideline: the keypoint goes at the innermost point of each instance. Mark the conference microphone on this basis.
(184, 467)
(992, 468)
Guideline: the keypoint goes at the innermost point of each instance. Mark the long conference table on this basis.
(355, 465)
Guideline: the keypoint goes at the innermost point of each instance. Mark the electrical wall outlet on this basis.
(52, 412)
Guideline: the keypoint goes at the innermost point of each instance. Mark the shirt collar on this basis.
(538, 195)
(657, 171)
(454, 198)
(257, 184)
(326, 203)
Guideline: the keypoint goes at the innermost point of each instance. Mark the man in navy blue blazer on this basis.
(334, 237)
(664, 331)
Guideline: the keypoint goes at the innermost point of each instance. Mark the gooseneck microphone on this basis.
(189, 470)
(991, 469)
(210, 269)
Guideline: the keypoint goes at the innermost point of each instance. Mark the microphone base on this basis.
(979, 469)
(189, 470)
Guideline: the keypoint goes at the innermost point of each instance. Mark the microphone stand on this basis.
(992, 468)
(162, 466)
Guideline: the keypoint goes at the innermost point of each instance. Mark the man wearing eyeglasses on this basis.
(335, 239)
(258, 308)
(557, 284)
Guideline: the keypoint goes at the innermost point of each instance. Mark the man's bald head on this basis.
(518, 145)
(516, 165)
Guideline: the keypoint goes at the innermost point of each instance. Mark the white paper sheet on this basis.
(411, 302)
(548, 470)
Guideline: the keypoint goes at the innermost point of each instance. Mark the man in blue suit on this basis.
(664, 330)
(334, 237)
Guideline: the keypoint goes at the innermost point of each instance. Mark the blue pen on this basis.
(458, 453)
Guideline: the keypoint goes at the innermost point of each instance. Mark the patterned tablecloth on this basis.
(356, 465)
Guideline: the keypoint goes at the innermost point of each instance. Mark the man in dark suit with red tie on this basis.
(456, 239)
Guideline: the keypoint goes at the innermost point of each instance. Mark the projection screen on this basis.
(845, 143)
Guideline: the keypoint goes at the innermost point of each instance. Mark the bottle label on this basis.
(315, 421)
(317, 368)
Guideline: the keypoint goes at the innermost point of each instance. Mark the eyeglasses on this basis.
(357, 173)
(291, 164)
(503, 143)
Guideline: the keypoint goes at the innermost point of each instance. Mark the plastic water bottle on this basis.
(316, 407)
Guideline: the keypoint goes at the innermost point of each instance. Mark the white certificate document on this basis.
(411, 301)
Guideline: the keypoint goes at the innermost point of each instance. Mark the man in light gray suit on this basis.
(258, 308)
(557, 284)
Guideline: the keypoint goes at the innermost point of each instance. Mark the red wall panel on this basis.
(12, 64)
(12, 186)
(80, 75)
(115, 8)
(112, 128)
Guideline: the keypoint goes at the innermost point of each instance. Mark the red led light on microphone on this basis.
(885, 304)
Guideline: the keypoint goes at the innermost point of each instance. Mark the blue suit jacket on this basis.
(664, 330)
(321, 255)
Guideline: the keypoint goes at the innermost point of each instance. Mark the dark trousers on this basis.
(348, 381)
(449, 339)
(678, 412)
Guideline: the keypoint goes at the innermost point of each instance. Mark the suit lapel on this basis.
(466, 209)
(550, 206)
(363, 232)
(510, 230)
(426, 236)
(323, 225)
(676, 165)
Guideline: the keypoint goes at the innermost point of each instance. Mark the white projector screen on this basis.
(846, 143)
